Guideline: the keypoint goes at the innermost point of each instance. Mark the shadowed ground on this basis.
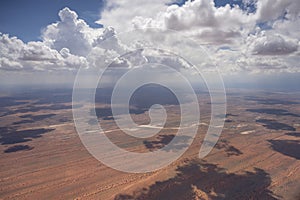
(18, 148)
(274, 125)
(296, 134)
(43, 157)
(203, 181)
(270, 101)
(11, 136)
(287, 147)
(272, 111)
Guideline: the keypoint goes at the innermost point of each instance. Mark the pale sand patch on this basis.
(247, 132)
(203, 124)
(241, 125)
(151, 126)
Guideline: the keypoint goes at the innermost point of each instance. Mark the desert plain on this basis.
(256, 157)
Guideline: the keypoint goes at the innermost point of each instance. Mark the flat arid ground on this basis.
(256, 157)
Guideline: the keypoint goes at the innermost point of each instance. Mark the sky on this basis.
(26, 19)
(246, 39)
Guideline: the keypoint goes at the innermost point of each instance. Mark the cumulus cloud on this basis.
(108, 40)
(10, 49)
(287, 27)
(200, 18)
(260, 64)
(272, 9)
(9, 65)
(271, 44)
(16, 55)
(37, 51)
(119, 13)
(66, 45)
(71, 43)
(70, 32)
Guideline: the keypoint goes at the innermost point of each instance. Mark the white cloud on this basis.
(261, 64)
(16, 55)
(201, 19)
(66, 45)
(10, 49)
(272, 9)
(9, 65)
(271, 44)
(71, 43)
(38, 51)
(237, 28)
(119, 13)
(71, 33)
(108, 40)
(288, 27)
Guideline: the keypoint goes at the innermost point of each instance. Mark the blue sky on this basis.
(26, 18)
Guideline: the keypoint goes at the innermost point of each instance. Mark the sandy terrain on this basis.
(257, 156)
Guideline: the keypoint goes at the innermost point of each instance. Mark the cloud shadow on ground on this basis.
(274, 125)
(18, 148)
(273, 111)
(207, 181)
(296, 134)
(162, 140)
(32, 118)
(270, 101)
(229, 149)
(12, 136)
(287, 147)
